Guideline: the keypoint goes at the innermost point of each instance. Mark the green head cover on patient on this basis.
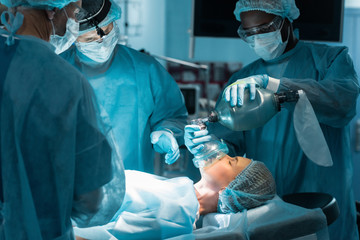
(251, 188)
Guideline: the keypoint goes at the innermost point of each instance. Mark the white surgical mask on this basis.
(268, 45)
(62, 43)
(100, 51)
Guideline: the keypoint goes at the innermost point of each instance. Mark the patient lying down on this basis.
(232, 185)
(157, 207)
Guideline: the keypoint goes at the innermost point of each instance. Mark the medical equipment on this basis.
(210, 151)
(254, 113)
(100, 13)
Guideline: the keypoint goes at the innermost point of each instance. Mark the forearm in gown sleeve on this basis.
(93, 166)
(334, 95)
(170, 111)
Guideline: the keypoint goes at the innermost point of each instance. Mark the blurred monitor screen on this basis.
(191, 93)
(320, 20)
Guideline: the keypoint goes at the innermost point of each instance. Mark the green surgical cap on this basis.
(46, 4)
(251, 188)
(283, 8)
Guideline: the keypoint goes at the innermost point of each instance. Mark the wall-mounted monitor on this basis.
(320, 20)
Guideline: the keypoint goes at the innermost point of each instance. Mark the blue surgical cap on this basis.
(113, 15)
(251, 188)
(283, 8)
(37, 3)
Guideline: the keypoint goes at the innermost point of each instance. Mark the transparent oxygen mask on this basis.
(211, 152)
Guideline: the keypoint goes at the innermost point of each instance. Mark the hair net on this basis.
(99, 15)
(37, 3)
(251, 188)
(284, 8)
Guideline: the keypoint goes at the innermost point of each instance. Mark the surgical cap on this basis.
(100, 13)
(251, 188)
(37, 3)
(283, 8)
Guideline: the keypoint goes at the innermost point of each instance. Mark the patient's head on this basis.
(234, 184)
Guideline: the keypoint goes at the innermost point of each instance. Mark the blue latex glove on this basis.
(195, 137)
(165, 142)
(234, 93)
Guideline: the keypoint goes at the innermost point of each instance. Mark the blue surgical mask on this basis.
(268, 45)
(100, 51)
(62, 43)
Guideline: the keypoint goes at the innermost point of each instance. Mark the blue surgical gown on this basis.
(52, 147)
(328, 77)
(139, 96)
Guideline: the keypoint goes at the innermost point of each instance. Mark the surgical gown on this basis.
(139, 96)
(52, 147)
(328, 77)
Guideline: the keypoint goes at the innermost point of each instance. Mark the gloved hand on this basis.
(234, 93)
(165, 142)
(195, 137)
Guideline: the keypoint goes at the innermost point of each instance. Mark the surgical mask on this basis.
(100, 51)
(62, 43)
(269, 45)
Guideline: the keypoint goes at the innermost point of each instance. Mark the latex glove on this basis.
(165, 142)
(195, 137)
(234, 93)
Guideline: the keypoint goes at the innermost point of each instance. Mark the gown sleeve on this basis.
(170, 111)
(333, 94)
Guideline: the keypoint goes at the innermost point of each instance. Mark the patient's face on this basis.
(216, 178)
(224, 171)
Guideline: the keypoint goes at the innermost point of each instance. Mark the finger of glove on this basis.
(189, 129)
(173, 143)
(196, 163)
(203, 139)
(170, 158)
(252, 87)
(233, 95)
(196, 149)
(227, 94)
(240, 94)
(201, 133)
(154, 137)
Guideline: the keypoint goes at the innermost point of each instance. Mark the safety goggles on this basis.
(272, 26)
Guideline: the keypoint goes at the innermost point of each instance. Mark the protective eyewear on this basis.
(272, 26)
(97, 38)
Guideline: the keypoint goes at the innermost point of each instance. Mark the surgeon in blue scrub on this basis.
(327, 76)
(139, 97)
(55, 159)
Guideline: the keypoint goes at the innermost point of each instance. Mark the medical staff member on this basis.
(55, 158)
(327, 76)
(141, 99)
